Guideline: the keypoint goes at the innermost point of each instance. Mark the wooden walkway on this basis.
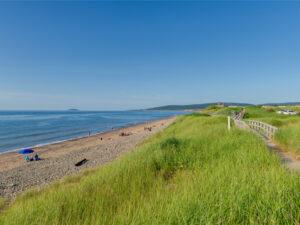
(263, 128)
(289, 161)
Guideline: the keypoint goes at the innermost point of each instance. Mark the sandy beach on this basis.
(58, 160)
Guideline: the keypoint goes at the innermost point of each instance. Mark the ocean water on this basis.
(21, 129)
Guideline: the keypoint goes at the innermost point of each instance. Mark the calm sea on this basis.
(21, 129)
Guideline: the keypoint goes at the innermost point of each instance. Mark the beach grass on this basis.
(2, 202)
(193, 172)
(221, 110)
(289, 136)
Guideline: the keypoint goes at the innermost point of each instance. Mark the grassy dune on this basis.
(289, 135)
(221, 110)
(194, 172)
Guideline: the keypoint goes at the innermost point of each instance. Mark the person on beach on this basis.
(36, 157)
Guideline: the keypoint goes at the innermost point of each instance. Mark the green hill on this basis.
(196, 106)
(226, 104)
(283, 104)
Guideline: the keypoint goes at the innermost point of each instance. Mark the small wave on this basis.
(54, 127)
(42, 144)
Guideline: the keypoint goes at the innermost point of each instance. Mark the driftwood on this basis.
(81, 162)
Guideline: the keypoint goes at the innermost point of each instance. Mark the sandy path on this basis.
(288, 159)
(59, 159)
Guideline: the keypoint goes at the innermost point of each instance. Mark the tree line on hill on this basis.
(226, 104)
(196, 106)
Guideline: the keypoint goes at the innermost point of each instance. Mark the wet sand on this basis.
(58, 160)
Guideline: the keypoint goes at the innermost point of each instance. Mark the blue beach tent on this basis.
(26, 151)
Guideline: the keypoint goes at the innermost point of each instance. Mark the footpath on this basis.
(288, 160)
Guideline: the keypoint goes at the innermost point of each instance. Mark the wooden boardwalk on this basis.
(288, 160)
(263, 128)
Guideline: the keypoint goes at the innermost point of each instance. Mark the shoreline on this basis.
(59, 159)
(37, 148)
(75, 138)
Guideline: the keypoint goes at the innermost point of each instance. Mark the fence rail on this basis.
(264, 128)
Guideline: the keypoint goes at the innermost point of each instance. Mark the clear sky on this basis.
(128, 55)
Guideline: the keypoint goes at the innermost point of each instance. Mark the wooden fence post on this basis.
(228, 123)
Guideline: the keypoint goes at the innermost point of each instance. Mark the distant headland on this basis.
(197, 106)
(223, 104)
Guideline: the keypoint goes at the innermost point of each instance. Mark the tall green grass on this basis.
(194, 172)
(289, 138)
(221, 110)
(289, 135)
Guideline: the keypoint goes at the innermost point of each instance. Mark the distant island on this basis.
(73, 109)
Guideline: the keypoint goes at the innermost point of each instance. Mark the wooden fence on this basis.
(264, 128)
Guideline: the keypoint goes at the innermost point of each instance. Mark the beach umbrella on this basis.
(26, 151)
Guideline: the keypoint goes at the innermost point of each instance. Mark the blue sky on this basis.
(128, 55)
